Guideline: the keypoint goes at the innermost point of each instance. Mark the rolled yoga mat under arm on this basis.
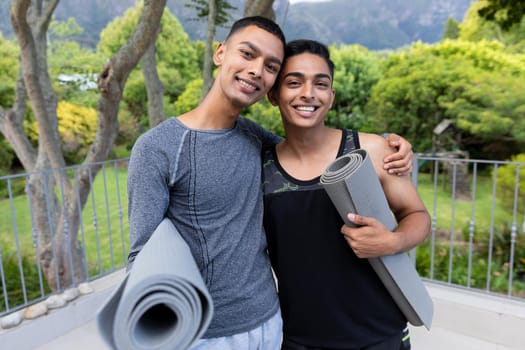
(353, 187)
(162, 303)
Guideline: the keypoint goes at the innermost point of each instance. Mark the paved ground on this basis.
(86, 338)
(444, 339)
(462, 320)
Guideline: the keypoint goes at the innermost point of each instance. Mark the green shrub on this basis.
(77, 126)
(6, 156)
(478, 253)
(16, 184)
(14, 288)
(190, 98)
(506, 182)
(267, 116)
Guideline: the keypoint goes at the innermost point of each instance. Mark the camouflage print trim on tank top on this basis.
(275, 181)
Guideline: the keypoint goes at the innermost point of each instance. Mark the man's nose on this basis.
(307, 91)
(256, 67)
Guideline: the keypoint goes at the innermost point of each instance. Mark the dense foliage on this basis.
(477, 85)
(505, 13)
(357, 70)
(72, 66)
(77, 126)
(475, 28)
(8, 73)
(474, 78)
(510, 179)
(176, 57)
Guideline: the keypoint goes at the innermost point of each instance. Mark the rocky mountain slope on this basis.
(376, 24)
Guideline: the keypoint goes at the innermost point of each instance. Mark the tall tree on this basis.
(216, 13)
(451, 29)
(259, 8)
(154, 87)
(207, 75)
(57, 221)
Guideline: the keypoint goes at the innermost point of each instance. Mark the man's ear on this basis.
(218, 55)
(272, 97)
(333, 99)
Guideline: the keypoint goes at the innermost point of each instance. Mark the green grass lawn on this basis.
(457, 215)
(106, 226)
(104, 223)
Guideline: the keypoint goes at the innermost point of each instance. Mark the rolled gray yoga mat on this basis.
(162, 303)
(353, 187)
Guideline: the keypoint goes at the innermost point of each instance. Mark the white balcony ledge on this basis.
(463, 319)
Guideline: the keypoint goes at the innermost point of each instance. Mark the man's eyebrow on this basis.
(301, 75)
(294, 74)
(323, 76)
(255, 48)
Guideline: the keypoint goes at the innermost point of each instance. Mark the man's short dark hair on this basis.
(300, 46)
(297, 47)
(258, 21)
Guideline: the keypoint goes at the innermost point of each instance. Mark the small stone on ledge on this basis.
(56, 301)
(12, 320)
(35, 310)
(85, 288)
(71, 294)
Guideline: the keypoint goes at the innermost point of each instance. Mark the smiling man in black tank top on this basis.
(330, 296)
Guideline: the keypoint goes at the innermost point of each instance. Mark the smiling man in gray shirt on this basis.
(203, 171)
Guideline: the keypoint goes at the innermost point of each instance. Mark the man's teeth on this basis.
(247, 85)
(306, 108)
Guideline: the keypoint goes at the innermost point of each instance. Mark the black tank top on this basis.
(329, 297)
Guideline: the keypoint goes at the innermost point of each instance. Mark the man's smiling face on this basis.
(305, 93)
(248, 62)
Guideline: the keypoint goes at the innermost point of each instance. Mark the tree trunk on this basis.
(154, 87)
(57, 221)
(30, 20)
(207, 78)
(262, 8)
(11, 126)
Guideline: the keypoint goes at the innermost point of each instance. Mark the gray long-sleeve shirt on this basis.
(208, 182)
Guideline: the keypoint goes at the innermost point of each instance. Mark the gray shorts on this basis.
(268, 336)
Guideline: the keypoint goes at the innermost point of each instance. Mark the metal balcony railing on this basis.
(476, 239)
(34, 230)
(478, 221)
